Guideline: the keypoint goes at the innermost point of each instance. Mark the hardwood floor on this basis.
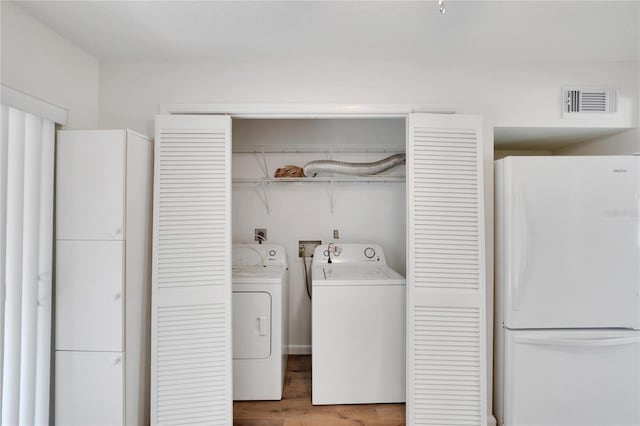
(295, 409)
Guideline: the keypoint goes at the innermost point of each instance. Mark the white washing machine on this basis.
(260, 321)
(358, 327)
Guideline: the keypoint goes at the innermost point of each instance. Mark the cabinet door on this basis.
(191, 272)
(90, 179)
(446, 305)
(89, 296)
(89, 388)
(251, 325)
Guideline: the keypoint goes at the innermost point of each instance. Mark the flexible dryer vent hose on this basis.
(313, 168)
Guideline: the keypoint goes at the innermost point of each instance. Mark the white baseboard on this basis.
(299, 349)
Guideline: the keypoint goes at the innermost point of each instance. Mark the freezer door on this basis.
(577, 378)
(568, 242)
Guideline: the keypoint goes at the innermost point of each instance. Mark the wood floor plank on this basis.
(322, 420)
(296, 409)
(258, 422)
(391, 411)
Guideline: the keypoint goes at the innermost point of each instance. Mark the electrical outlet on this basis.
(309, 247)
(336, 234)
(260, 234)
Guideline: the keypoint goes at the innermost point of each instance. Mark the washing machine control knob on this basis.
(369, 252)
(272, 253)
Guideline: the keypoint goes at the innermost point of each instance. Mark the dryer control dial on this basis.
(272, 253)
(369, 252)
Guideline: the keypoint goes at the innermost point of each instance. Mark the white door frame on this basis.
(308, 110)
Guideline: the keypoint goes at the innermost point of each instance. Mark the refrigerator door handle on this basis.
(523, 254)
(588, 342)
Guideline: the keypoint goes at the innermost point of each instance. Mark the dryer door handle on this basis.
(263, 326)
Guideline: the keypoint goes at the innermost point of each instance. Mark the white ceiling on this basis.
(469, 32)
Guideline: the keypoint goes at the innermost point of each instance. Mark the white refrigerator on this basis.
(567, 291)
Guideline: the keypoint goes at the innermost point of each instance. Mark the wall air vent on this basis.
(579, 100)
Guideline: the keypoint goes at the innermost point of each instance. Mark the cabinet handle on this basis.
(596, 341)
(262, 326)
(117, 360)
(519, 281)
(116, 296)
(117, 231)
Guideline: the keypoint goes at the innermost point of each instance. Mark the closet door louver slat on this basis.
(191, 321)
(446, 382)
(187, 379)
(447, 366)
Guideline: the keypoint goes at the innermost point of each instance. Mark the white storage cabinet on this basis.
(103, 254)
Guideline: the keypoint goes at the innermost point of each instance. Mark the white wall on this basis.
(624, 143)
(620, 144)
(507, 95)
(517, 95)
(363, 212)
(37, 61)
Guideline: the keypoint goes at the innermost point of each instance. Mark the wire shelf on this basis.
(317, 149)
(324, 179)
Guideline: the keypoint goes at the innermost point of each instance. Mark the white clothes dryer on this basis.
(260, 321)
(358, 327)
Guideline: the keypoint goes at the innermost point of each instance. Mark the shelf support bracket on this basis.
(265, 195)
(331, 199)
(263, 164)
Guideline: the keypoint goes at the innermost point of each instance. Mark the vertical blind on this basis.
(26, 241)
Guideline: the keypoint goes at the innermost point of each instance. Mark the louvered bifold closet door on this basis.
(191, 306)
(446, 352)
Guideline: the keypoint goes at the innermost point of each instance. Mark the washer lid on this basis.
(258, 274)
(258, 254)
(349, 274)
